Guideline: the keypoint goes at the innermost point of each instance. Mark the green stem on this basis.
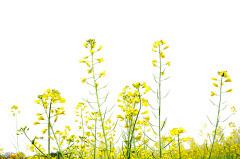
(160, 107)
(100, 110)
(217, 119)
(16, 128)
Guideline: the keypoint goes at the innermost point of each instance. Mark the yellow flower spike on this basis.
(163, 42)
(181, 130)
(54, 96)
(223, 74)
(158, 43)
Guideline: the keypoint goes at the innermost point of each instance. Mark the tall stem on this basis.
(100, 110)
(217, 119)
(17, 135)
(159, 96)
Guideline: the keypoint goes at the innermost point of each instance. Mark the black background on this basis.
(44, 51)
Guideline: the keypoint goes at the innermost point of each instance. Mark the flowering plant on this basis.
(135, 128)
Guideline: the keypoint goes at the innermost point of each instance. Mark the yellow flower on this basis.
(99, 48)
(145, 112)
